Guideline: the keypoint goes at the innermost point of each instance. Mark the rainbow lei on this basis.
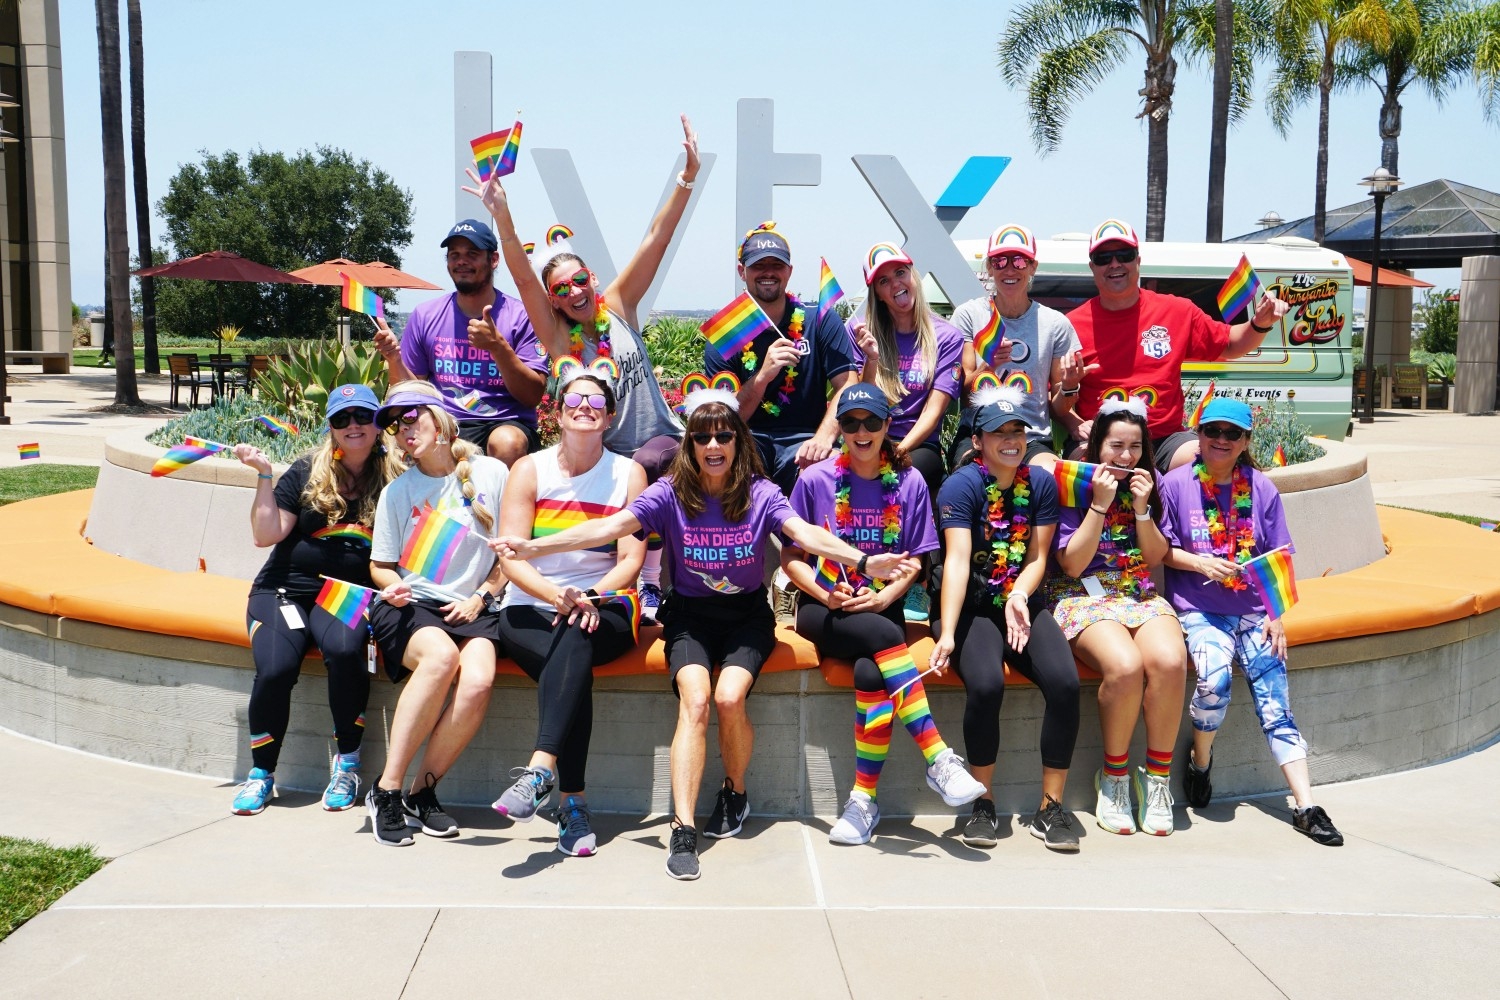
(789, 376)
(1239, 534)
(1008, 528)
(1124, 552)
(890, 508)
(601, 327)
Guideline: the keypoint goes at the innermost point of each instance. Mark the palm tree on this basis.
(116, 242)
(138, 175)
(1218, 140)
(1060, 50)
(1310, 36)
(1486, 24)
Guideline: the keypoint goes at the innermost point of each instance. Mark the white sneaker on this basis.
(1112, 810)
(951, 779)
(857, 824)
(1155, 809)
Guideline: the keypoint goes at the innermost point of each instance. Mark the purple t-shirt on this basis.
(920, 382)
(1183, 526)
(813, 496)
(707, 555)
(1107, 557)
(435, 346)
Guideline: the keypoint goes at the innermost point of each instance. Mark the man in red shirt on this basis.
(1135, 342)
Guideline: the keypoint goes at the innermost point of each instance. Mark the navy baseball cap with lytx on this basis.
(475, 232)
(764, 241)
(863, 397)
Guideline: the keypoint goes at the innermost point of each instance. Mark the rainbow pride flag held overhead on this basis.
(347, 602)
(33, 450)
(1239, 290)
(829, 291)
(1197, 414)
(183, 455)
(352, 532)
(987, 338)
(1074, 482)
(275, 425)
(733, 328)
(1273, 577)
(432, 544)
(497, 152)
(361, 299)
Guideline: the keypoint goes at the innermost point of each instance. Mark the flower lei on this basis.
(1125, 555)
(789, 376)
(601, 327)
(890, 509)
(1008, 530)
(1236, 539)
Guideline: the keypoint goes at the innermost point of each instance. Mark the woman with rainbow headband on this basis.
(716, 509)
(555, 625)
(318, 518)
(1218, 512)
(998, 517)
(1107, 542)
(433, 620)
(871, 498)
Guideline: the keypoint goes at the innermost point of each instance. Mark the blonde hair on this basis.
(328, 479)
(461, 450)
(883, 325)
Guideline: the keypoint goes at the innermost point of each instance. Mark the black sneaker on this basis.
(682, 859)
(982, 829)
(730, 812)
(1314, 822)
(387, 821)
(424, 812)
(1195, 784)
(1054, 827)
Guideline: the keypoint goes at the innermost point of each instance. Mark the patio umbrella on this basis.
(376, 274)
(217, 266)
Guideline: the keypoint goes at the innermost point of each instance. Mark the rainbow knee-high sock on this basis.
(1158, 762)
(870, 747)
(898, 668)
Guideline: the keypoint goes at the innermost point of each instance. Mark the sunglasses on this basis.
(357, 415)
(594, 399)
(1017, 262)
(563, 289)
(1227, 432)
(852, 425)
(406, 419)
(704, 437)
(1122, 256)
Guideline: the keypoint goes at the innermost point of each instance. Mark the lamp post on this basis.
(6, 101)
(1381, 183)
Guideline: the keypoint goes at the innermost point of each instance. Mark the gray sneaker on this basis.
(1054, 827)
(575, 835)
(521, 800)
(682, 859)
(857, 825)
(983, 828)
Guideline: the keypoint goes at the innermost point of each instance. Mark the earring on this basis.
(338, 454)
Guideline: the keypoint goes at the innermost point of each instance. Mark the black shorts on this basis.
(732, 630)
(394, 627)
(477, 433)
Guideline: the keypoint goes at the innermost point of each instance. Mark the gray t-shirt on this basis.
(1040, 336)
(412, 492)
(641, 412)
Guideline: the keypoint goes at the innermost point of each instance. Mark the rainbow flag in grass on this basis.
(275, 425)
(347, 602)
(497, 152)
(829, 291)
(360, 298)
(33, 450)
(733, 328)
(183, 455)
(432, 544)
(987, 338)
(1272, 576)
(1197, 414)
(1239, 290)
(1278, 459)
(1074, 482)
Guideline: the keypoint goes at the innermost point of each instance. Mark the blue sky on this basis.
(376, 78)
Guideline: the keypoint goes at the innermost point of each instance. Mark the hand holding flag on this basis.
(1239, 291)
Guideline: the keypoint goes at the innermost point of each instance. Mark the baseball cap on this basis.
(1226, 411)
(881, 255)
(1011, 238)
(994, 408)
(398, 403)
(764, 241)
(862, 397)
(475, 232)
(1113, 231)
(344, 397)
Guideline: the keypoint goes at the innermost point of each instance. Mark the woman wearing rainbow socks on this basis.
(871, 498)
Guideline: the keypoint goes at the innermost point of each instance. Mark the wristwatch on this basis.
(860, 566)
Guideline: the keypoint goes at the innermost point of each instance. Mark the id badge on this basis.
(370, 657)
(1092, 586)
(293, 616)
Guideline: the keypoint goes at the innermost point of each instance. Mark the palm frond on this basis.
(1064, 74)
(1045, 25)
(1293, 82)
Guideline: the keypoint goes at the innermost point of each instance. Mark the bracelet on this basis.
(1017, 590)
(262, 475)
(860, 566)
(1261, 329)
(683, 182)
(1096, 510)
(1146, 516)
(1068, 392)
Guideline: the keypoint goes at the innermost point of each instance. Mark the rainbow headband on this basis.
(697, 391)
(567, 368)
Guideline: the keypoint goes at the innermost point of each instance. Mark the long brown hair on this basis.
(1102, 423)
(744, 470)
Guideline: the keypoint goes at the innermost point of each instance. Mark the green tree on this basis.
(1439, 315)
(138, 177)
(1484, 22)
(116, 239)
(288, 212)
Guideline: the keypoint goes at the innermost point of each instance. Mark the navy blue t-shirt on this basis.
(962, 504)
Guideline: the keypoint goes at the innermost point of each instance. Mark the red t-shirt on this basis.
(1140, 352)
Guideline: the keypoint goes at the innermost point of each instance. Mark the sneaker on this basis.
(424, 813)
(857, 824)
(785, 605)
(1053, 826)
(918, 605)
(682, 859)
(650, 595)
(951, 779)
(730, 813)
(1314, 822)
(255, 794)
(1112, 810)
(1155, 808)
(575, 837)
(343, 788)
(521, 800)
(387, 819)
(982, 829)
(1195, 784)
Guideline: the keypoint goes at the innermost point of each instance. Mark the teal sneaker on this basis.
(343, 788)
(575, 834)
(918, 604)
(255, 794)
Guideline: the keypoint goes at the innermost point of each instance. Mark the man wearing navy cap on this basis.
(477, 346)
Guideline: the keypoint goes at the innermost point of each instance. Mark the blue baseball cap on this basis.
(475, 232)
(1226, 411)
(860, 396)
(345, 397)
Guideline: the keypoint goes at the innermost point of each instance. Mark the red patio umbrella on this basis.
(376, 274)
(220, 265)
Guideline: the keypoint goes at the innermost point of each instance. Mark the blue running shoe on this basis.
(650, 595)
(343, 788)
(255, 793)
(575, 836)
(918, 606)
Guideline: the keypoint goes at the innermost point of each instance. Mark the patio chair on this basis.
(185, 372)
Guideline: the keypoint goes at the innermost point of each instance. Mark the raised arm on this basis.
(624, 294)
(550, 328)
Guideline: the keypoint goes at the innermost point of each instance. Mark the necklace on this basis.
(1008, 526)
(890, 508)
(1236, 539)
(601, 327)
(1122, 551)
(789, 376)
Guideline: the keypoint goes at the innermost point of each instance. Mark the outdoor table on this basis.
(222, 369)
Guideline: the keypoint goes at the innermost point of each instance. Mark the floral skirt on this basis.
(1075, 609)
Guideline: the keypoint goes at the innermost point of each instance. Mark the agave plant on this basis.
(299, 382)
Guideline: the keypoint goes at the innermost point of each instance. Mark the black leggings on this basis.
(1047, 661)
(858, 637)
(278, 650)
(927, 459)
(562, 660)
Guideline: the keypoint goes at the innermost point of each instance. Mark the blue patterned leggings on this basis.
(1214, 642)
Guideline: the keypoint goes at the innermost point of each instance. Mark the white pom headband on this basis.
(1134, 405)
(1010, 398)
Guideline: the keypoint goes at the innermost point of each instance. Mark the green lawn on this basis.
(27, 481)
(34, 874)
(1476, 521)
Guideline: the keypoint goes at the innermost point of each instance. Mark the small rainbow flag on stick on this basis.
(987, 338)
(829, 572)
(829, 291)
(497, 152)
(1197, 414)
(1273, 577)
(353, 531)
(347, 602)
(1075, 482)
(730, 330)
(1239, 290)
(33, 450)
(183, 455)
(632, 601)
(1279, 457)
(432, 544)
(361, 299)
(275, 425)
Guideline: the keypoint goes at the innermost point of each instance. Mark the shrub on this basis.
(1440, 367)
(675, 346)
(231, 422)
(1440, 316)
(1276, 424)
(298, 383)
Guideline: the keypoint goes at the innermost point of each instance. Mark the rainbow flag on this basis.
(1273, 577)
(733, 328)
(497, 152)
(345, 601)
(1197, 413)
(212, 446)
(987, 338)
(829, 291)
(33, 450)
(632, 601)
(1075, 482)
(1239, 290)
(432, 544)
(1279, 458)
(183, 455)
(353, 531)
(361, 299)
(276, 426)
